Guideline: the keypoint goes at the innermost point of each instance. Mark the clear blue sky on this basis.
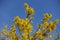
(11, 8)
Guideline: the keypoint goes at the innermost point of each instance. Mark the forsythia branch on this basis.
(25, 27)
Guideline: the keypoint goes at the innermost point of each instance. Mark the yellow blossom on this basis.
(30, 11)
(46, 23)
(40, 25)
(52, 26)
(38, 32)
(48, 15)
(26, 5)
(41, 37)
(12, 28)
(29, 26)
(45, 19)
(15, 37)
(17, 18)
(20, 23)
(27, 20)
(4, 31)
(31, 38)
(24, 36)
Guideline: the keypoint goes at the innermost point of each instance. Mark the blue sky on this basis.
(11, 8)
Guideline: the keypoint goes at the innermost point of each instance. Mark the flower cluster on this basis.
(29, 10)
(24, 26)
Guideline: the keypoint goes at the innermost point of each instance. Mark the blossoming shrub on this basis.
(25, 27)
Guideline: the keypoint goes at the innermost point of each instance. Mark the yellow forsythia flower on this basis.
(24, 36)
(48, 15)
(46, 23)
(31, 38)
(26, 21)
(20, 23)
(41, 37)
(17, 18)
(26, 6)
(52, 25)
(4, 31)
(38, 32)
(45, 19)
(13, 29)
(30, 11)
(29, 28)
(15, 37)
